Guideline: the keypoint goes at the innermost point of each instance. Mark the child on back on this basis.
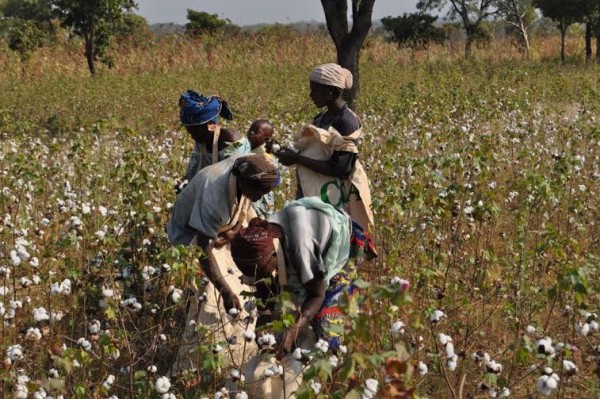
(260, 136)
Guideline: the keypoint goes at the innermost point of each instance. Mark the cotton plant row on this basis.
(84, 220)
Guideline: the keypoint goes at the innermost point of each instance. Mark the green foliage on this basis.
(95, 21)
(416, 29)
(24, 37)
(204, 23)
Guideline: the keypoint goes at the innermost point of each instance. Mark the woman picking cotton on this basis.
(213, 143)
(210, 211)
(304, 250)
(327, 157)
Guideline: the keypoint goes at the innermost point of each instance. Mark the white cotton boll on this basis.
(176, 295)
(542, 385)
(21, 391)
(84, 344)
(480, 356)
(5, 272)
(22, 253)
(107, 292)
(492, 393)
(422, 369)
(569, 367)
(343, 349)
(109, 381)
(493, 367)
(437, 316)
(267, 340)
(366, 394)
(40, 314)
(36, 279)
(268, 373)
(397, 328)
(162, 385)
(55, 289)
(45, 222)
(4, 291)
(443, 339)
(40, 394)
(217, 349)
(233, 312)
(53, 373)
(593, 325)
(530, 330)
(234, 374)
(33, 333)
(372, 385)
(452, 363)
(14, 352)
(297, 354)
(250, 335)
(544, 346)
(322, 345)
(94, 327)
(100, 234)
(241, 395)
(504, 393)
(152, 369)
(168, 395)
(334, 361)
(25, 282)
(450, 350)
(15, 260)
(65, 287)
(102, 210)
(86, 209)
(34, 262)
(315, 386)
(56, 316)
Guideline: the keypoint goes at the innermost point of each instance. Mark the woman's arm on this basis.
(315, 295)
(340, 165)
(211, 270)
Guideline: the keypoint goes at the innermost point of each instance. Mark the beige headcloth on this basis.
(332, 75)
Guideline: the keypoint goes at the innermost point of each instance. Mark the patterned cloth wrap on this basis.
(330, 314)
(197, 109)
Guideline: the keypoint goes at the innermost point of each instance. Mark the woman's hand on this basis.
(226, 237)
(286, 156)
(231, 301)
(288, 341)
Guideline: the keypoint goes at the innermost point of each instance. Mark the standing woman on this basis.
(327, 157)
(213, 143)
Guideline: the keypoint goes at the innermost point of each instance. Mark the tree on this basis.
(415, 29)
(470, 12)
(203, 23)
(348, 41)
(27, 25)
(519, 14)
(95, 21)
(564, 13)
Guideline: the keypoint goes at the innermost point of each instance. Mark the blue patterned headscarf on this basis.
(197, 109)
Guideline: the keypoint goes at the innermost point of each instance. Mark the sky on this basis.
(249, 12)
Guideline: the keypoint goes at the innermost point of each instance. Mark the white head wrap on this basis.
(332, 75)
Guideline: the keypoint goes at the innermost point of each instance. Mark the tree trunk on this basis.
(524, 38)
(597, 30)
(348, 43)
(563, 34)
(348, 55)
(89, 52)
(469, 46)
(588, 42)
